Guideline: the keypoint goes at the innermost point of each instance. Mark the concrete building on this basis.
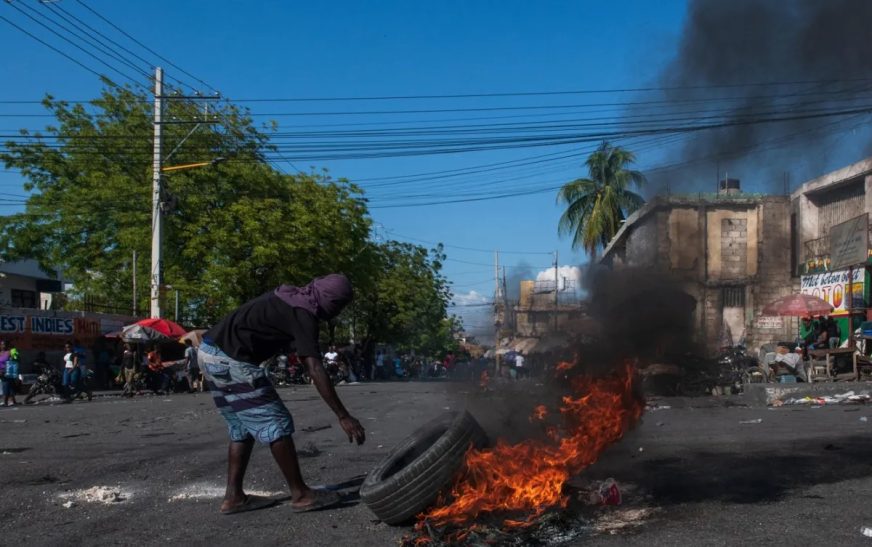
(541, 310)
(817, 206)
(729, 251)
(23, 284)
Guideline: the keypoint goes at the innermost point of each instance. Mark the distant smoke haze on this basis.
(825, 43)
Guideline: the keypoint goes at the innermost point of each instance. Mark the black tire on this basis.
(411, 476)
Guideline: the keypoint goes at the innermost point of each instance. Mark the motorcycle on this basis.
(336, 372)
(85, 387)
(47, 383)
(737, 368)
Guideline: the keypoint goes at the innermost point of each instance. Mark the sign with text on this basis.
(849, 242)
(833, 287)
(47, 332)
(770, 322)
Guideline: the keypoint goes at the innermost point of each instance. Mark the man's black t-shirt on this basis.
(263, 327)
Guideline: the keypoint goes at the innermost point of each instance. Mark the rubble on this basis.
(106, 495)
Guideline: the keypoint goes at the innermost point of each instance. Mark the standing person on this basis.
(128, 371)
(192, 368)
(8, 371)
(160, 380)
(379, 370)
(247, 400)
(520, 365)
(70, 377)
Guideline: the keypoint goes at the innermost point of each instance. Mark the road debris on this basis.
(609, 492)
(756, 421)
(847, 398)
(866, 531)
(619, 520)
(203, 491)
(106, 495)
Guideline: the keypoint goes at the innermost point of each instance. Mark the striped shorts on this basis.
(245, 397)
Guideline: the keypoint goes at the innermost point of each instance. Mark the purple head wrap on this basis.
(324, 297)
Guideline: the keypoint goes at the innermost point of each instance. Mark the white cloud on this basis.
(571, 273)
(468, 298)
(477, 315)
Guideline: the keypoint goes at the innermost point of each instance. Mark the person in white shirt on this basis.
(71, 362)
(331, 356)
(789, 361)
(520, 368)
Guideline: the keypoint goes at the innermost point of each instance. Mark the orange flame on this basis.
(563, 366)
(539, 413)
(528, 477)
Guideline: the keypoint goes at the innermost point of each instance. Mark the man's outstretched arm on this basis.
(325, 388)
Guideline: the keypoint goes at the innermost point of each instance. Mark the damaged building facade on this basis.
(730, 252)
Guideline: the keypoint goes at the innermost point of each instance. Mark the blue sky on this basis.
(273, 49)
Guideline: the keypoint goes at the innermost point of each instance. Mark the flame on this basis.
(527, 478)
(564, 366)
(539, 413)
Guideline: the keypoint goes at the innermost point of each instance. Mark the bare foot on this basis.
(229, 504)
(304, 498)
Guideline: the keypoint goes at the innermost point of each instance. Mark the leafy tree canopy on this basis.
(596, 205)
(232, 230)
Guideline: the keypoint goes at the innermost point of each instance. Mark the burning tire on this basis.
(409, 478)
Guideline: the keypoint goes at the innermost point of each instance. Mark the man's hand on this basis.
(353, 429)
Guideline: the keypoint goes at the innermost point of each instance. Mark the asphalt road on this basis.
(692, 474)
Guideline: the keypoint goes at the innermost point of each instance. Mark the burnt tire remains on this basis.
(410, 477)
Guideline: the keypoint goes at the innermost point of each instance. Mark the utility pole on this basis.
(157, 191)
(134, 284)
(556, 290)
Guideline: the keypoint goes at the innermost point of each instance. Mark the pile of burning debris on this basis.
(518, 494)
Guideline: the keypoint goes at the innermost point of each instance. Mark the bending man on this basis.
(229, 357)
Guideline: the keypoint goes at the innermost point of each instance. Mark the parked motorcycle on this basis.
(47, 383)
(737, 368)
(85, 387)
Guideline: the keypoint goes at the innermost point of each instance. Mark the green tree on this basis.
(596, 205)
(232, 230)
(406, 300)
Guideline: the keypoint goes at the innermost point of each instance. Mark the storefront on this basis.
(35, 331)
(843, 294)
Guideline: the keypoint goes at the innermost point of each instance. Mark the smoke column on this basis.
(816, 53)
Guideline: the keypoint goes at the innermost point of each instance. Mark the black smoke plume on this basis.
(814, 56)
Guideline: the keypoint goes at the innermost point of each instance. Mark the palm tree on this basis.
(596, 205)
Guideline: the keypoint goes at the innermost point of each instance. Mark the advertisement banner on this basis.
(48, 333)
(833, 287)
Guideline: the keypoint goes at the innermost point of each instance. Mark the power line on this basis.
(74, 44)
(46, 44)
(145, 47)
(547, 93)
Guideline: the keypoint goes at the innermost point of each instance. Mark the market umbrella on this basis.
(798, 305)
(152, 330)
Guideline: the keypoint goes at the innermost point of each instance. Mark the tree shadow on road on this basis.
(753, 477)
